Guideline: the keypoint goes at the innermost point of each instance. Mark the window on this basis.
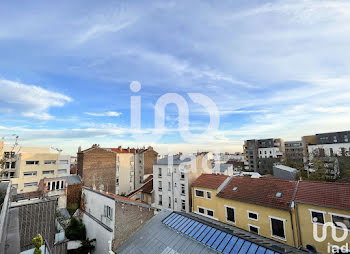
(338, 218)
(50, 162)
(254, 229)
(331, 151)
(108, 212)
(277, 228)
(32, 162)
(210, 213)
(199, 193)
(183, 205)
(183, 189)
(63, 161)
(48, 172)
(31, 173)
(252, 215)
(62, 171)
(160, 186)
(182, 176)
(160, 202)
(33, 184)
(230, 214)
(169, 205)
(201, 210)
(317, 216)
(9, 154)
(117, 181)
(169, 186)
(208, 194)
(169, 172)
(160, 173)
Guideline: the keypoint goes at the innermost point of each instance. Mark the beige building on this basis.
(26, 166)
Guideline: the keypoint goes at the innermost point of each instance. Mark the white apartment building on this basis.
(330, 150)
(172, 180)
(270, 152)
(64, 162)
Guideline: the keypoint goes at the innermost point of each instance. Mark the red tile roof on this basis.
(210, 181)
(335, 195)
(121, 197)
(260, 191)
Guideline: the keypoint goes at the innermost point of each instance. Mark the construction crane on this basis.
(57, 149)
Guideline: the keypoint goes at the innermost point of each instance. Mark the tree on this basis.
(37, 242)
(9, 158)
(76, 230)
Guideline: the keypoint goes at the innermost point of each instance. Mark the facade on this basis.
(26, 166)
(144, 193)
(262, 153)
(285, 211)
(318, 203)
(112, 219)
(294, 152)
(66, 189)
(116, 170)
(259, 205)
(172, 180)
(64, 162)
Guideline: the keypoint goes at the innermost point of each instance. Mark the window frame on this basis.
(32, 173)
(34, 163)
(200, 207)
(195, 193)
(318, 211)
(257, 215)
(35, 184)
(108, 212)
(234, 214)
(284, 228)
(338, 215)
(211, 195)
(51, 172)
(254, 226)
(210, 211)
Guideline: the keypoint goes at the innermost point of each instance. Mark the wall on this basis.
(41, 157)
(129, 218)
(96, 224)
(149, 158)
(241, 214)
(336, 149)
(306, 227)
(62, 166)
(73, 193)
(98, 166)
(125, 166)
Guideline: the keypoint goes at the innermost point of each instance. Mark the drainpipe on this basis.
(291, 219)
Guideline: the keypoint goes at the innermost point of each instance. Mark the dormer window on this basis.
(278, 194)
(235, 188)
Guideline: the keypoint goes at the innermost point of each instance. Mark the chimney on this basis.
(120, 148)
(128, 149)
(79, 149)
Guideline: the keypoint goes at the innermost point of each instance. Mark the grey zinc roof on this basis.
(176, 160)
(286, 168)
(156, 237)
(224, 167)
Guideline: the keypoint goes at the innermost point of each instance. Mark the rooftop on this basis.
(260, 191)
(70, 180)
(210, 181)
(335, 195)
(286, 168)
(176, 160)
(170, 232)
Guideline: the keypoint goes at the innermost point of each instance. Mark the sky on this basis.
(272, 68)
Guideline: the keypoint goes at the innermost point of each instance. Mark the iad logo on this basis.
(323, 237)
(183, 113)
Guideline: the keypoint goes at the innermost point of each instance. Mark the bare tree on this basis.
(8, 158)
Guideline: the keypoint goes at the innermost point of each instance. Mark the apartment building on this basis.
(26, 166)
(262, 153)
(111, 219)
(172, 179)
(144, 193)
(282, 210)
(116, 170)
(259, 205)
(294, 153)
(319, 203)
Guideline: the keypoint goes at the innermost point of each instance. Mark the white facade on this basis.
(98, 225)
(171, 188)
(330, 149)
(270, 152)
(64, 162)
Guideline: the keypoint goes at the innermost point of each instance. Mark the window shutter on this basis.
(105, 212)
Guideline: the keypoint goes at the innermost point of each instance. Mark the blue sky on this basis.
(273, 68)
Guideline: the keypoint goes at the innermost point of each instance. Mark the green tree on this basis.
(37, 242)
(76, 230)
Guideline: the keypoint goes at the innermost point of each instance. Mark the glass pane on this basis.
(188, 231)
(199, 231)
(261, 250)
(223, 243)
(196, 229)
(204, 233)
(216, 239)
(181, 223)
(187, 226)
(169, 218)
(253, 249)
(245, 247)
(209, 235)
(230, 244)
(237, 246)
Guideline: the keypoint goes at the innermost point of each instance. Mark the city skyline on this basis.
(273, 69)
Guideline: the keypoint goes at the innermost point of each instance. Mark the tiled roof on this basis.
(124, 150)
(336, 195)
(211, 181)
(121, 198)
(260, 191)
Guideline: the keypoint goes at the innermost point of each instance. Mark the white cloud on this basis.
(29, 100)
(108, 113)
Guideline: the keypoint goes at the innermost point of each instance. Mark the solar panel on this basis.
(213, 237)
(216, 239)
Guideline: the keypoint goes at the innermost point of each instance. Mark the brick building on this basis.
(116, 170)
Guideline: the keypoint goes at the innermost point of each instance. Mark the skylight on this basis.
(278, 194)
(235, 188)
